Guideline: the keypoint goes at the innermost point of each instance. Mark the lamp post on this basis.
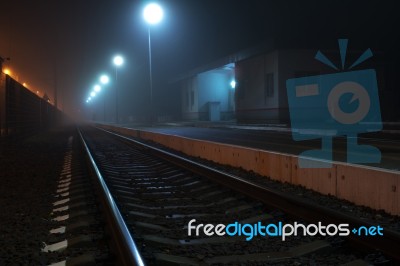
(92, 95)
(118, 61)
(104, 80)
(153, 14)
(96, 90)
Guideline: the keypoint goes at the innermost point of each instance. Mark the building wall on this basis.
(260, 95)
(189, 99)
(214, 86)
(301, 63)
(211, 86)
(257, 98)
(254, 100)
(295, 64)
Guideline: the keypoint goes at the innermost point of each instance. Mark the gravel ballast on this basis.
(28, 179)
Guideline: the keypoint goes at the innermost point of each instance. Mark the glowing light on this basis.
(97, 88)
(93, 94)
(118, 60)
(104, 79)
(233, 84)
(7, 71)
(153, 13)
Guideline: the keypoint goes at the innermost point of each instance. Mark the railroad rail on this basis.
(158, 193)
(122, 242)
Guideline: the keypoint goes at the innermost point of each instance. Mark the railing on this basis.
(22, 112)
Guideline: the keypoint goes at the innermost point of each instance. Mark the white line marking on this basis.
(56, 246)
(61, 218)
(59, 230)
(60, 202)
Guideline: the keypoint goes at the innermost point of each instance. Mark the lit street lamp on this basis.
(153, 14)
(118, 61)
(97, 88)
(104, 79)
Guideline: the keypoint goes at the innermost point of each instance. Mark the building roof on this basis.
(262, 47)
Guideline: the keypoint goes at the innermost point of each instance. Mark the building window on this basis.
(268, 85)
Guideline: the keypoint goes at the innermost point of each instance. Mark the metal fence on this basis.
(22, 112)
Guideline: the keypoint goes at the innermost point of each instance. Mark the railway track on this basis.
(176, 210)
(77, 236)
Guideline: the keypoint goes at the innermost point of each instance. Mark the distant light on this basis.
(233, 84)
(93, 94)
(25, 85)
(89, 99)
(104, 79)
(118, 60)
(7, 71)
(153, 13)
(37, 92)
(97, 88)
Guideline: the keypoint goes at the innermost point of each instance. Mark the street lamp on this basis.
(118, 61)
(104, 80)
(97, 88)
(153, 14)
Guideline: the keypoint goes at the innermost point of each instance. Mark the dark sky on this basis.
(71, 42)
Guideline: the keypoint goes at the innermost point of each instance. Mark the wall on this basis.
(253, 104)
(210, 86)
(366, 186)
(294, 64)
(214, 86)
(22, 112)
(2, 104)
(189, 96)
(300, 63)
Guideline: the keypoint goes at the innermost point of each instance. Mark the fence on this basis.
(22, 112)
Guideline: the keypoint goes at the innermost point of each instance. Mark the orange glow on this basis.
(7, 71)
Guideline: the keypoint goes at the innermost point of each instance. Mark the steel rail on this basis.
(124, 246)
(296, 207)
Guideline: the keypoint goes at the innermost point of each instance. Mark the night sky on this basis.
(68, 44)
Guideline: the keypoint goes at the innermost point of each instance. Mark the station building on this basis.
(250, 86)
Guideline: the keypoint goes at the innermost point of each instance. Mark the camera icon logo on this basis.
(338, 104)
(358, 92)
